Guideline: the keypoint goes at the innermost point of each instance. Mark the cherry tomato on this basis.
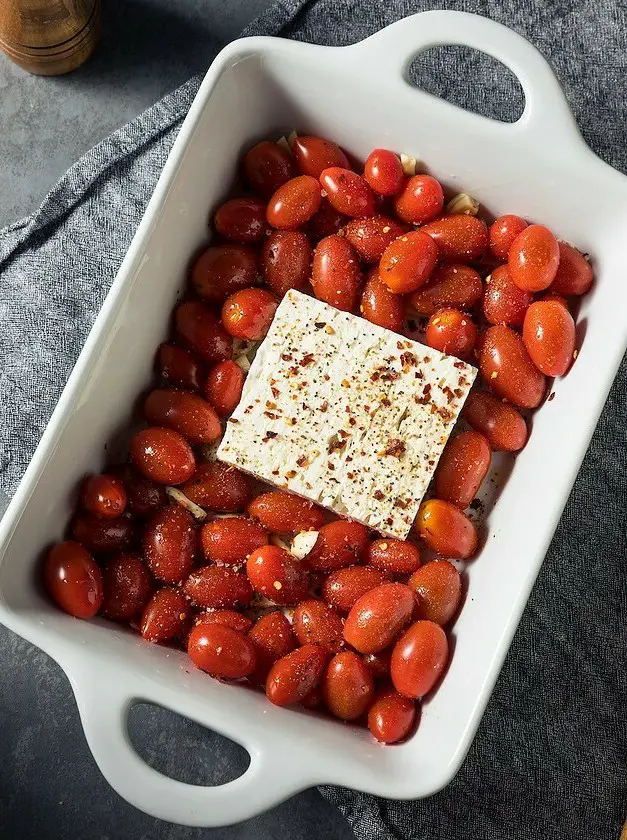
(370, 237)
(73, 579)
(326, 221)
(348, 192)
(463, 466)
(223, 387)
(165, 616)
(286, 260)
(127, 587)
(451, 285)
(223, 269)
(378, 617)
(381, 306)
(574, 273)
(419, 658)
(277, 574)
(273, 638)
(314, 154)
(347, 686)
(285, 513)
(227, 618)
(503, 231)
(145, 497)
(336, 275)
(218, 486)
(315, 623)
(549, 336)
(378, 663)
(221, 651)
(231, 540)
(453, 332)
(341, 543)
(439, 588)
(445, 529)
(533, 258)
(506, 366)
(313, 700)
(169, 544)
(503, 301)
(178, 367)
(200, 329)
(391, 717)
(459, 237)
(247, 314)
(294, 676)
(104, 496)
(103, 535)
(503, 426)
(396, 557)
(407, 263)
(294, 203)
(185, 412)
(218, 587)
(345, 586)
(162, 455)
(267, 167)
(384, 172)
(420, 200)
(241, 220)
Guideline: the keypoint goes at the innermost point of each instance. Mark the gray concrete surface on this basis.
(49, 785)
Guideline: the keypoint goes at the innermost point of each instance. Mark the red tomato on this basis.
(445, 529)
(286, 260)
(381, 306)
(347, 686)
(267, 167)
(503, 301)
(397, 557)
(241, 220)
(439, 588)
(345, 586)
(459, 238)
(104, 496)
(294, 676)
(227, 618)
(273, 638)
(223, 269)
(165, 616)
(453, 332)
(200, 329)
(277, 574)
(103, 535)
(378, 663)
(507, 368)
(503, 426)
(218, 486)
(169, 544)
(408, 262)
(533, 258)
(315, 623)
(231, 540)
(247, 314)
(313, 700)
(419, 658)
(420, 200)
(451, 285)
(574, 273)
(503, 231)
(73, 579)
(378, 617)
(294, 203)
(348, 192)
(336, 275)
(326, 221)
(178, 367)
(162, 455)
(145, 497)
(391, 717)
(370, 237)
(218, 587)
(314, 154)
(340, 543)
(127, 587)
(463, 466)
(221, 651)
(223, 387)
(185, 412)
(549, 336)
(384, 172)
(285, 513)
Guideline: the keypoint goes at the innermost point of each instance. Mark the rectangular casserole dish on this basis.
(538, 167)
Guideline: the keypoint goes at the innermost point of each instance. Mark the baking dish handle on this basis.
(546, 114)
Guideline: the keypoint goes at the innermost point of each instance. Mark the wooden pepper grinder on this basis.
(49, 37)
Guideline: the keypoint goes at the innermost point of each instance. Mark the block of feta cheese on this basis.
(346, 413)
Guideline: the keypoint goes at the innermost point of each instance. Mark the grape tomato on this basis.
(504, 428)
(219, 487)
(103, 535)
(241, 220)
(574, 272)
(378, 617)
(341, 543)
(507, 368)
(407, 263)
(420, 200)
(267, 167)
(347, 686)
(227, 618)
(314, 154)
(187, 413)
(223, 387)
(162, 455)
(218, 587)
(397, 557)
(453, 332)
(127, 586)
(419, 659)
(223, 269)
(295, 675)
(230, 541)
(384, 172)
(221, 651)
(315, 623)
(438, 587)
(284, 513)
(178, 367)
(503, 301)
(549, 337)
(104, 496)
(169, 544)
(452, 285)
(286, 258)
(273, 639)
(199, 329)
(381, 306)
(348, 192)
(391, 717)
(248, 313)
(462, 467)
(370, 237)
(533, 258)
(445, 529)
(294, 203)
(277, 575)
(73, 579)
(459, 238)
(344, 587)
(503, 231)
(336, 275)
(165, 616)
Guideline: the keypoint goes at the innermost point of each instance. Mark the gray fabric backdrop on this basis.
(549, 759)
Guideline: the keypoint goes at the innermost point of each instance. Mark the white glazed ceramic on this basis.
(538, 167)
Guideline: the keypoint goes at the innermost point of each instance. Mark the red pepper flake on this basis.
(450, 396)
(349, 458)
(324, 407)
(326, 377)
(419, 375)
(374, 377)
(458, 393)
(301, 461)
(270, 405)
(290, 474)
(275, 392)
(399, 345)
(330, 466)
(379, 496)
(402, 503)
(551, 396)
(232, 420)
(351, 421)
(408, 359)
(336, 444)
(308, 359)
(293, 371)
(275, 472)
(445, 414)
(287, 357)
(320, 324)
(271, 415)
(385, 402)
(291, 421)
(270, 436)
(350, 475)
(395, 448)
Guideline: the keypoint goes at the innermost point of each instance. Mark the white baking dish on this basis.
(538, 167)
